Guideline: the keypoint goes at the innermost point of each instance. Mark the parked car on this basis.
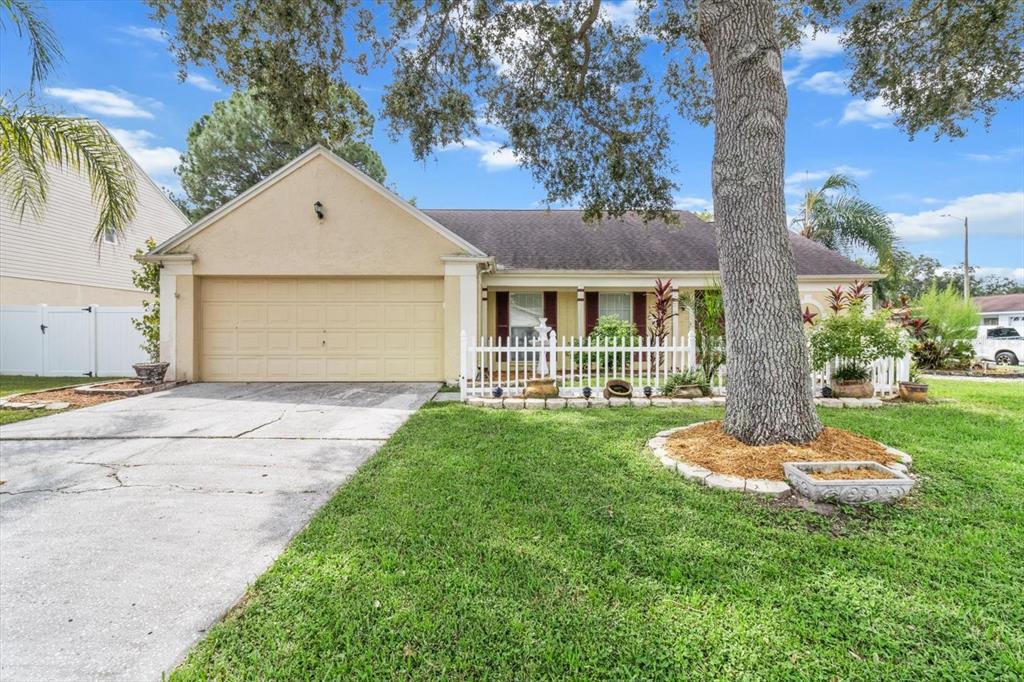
(1003, 345)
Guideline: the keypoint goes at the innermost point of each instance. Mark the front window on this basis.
(615, 305)
(990, 321)
(109, 235)
(525, 308)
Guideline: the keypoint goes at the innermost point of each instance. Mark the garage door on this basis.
(336, 329)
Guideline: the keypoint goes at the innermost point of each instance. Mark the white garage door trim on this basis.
(321, 329)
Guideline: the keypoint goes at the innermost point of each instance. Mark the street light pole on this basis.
(967, 267)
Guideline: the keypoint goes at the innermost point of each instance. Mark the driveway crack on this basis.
(260, 426)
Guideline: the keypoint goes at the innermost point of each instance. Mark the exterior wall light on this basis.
(319, 208)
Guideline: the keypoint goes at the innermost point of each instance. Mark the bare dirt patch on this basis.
(858, 474)
(708, 446)
(66, 395)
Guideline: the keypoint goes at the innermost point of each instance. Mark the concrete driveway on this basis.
(127, 529)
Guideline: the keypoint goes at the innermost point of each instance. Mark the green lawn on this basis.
(21, 384)
(489, 544)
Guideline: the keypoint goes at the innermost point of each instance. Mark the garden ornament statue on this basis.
(542, 386)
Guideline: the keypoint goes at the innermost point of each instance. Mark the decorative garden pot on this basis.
(151, 373)
(853, 389)
(890, 486)
(913, 392)
(618, 388)
(688, 391)
(540, 388)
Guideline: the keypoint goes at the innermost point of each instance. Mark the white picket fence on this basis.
(487, 363)
(93, 340)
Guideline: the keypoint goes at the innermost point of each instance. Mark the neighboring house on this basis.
(1004, 310)
(264, 289)
(54, 260)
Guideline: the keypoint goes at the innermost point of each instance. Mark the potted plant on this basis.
(852, 381)
(688, 384)
(855, 339)
(147, 278)
(914, 391)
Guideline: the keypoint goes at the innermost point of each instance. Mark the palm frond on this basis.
(32, 141)
(848, 222)
(838, 181)
(43, 43)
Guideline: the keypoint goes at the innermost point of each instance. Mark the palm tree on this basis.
(835, 217)
(32, 140)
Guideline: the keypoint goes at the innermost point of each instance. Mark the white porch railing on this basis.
(886, 374)
(574, 362)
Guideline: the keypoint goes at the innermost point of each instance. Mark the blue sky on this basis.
(119, 71)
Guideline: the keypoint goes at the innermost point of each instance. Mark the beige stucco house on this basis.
(53, 259)
(319, 273)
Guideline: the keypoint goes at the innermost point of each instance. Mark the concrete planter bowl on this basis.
(890, 486)
(853, 389)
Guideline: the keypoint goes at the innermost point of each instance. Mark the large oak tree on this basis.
(586, 112)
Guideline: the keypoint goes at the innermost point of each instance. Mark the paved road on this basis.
(127, 529)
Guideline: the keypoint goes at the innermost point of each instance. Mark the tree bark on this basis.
(770, 399)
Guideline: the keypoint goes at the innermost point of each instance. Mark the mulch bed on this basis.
(859, 474)
(708, 446)
(66, 395)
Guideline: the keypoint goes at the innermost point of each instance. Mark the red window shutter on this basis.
(501, 314)
(592, 310)
(551, 308)
(640, 312)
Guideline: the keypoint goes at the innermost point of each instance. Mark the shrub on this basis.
(950, 323)
(690, 377)
(857, 336)
(609, 329)
(147, 278)
(851, 373)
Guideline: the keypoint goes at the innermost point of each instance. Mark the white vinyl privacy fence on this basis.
(574, 362)
(52, 341)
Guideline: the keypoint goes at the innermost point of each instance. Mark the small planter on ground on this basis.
(852, 382)
(688, 384)
(151, 373)
(847, 482)
(618, 388)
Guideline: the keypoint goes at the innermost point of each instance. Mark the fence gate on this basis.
(69, 340)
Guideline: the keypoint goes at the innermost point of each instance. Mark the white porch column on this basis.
(581, 312)
(675, 313)
(483, 311)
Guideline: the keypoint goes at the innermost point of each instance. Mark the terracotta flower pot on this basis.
(913, 392)
(151, 373)
(618, 388)
(853, 389)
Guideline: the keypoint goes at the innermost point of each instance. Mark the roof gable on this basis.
(317, 151)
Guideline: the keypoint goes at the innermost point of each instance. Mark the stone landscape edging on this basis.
(98, 389)
(760, 486)
(519, 403)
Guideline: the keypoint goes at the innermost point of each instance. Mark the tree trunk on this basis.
(770, 399)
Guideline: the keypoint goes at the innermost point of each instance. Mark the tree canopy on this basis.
(582, 110)
(240, 143)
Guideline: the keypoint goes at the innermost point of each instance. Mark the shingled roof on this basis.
(560, 240)
(998, 303)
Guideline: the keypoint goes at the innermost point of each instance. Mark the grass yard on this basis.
(502, 544)
(23, 384)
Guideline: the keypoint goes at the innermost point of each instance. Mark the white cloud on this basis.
(1013, 273)
(493, 155)
(145, 32)
(1004, 155)
(692, 204)
(624, 12)
(158, 162)
(820, 45)
(102, 102)
(826, 83)
(202, 82)
(999, 213)
(799, 181)
(875, 112)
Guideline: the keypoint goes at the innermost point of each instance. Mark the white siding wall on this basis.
(58, 246)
